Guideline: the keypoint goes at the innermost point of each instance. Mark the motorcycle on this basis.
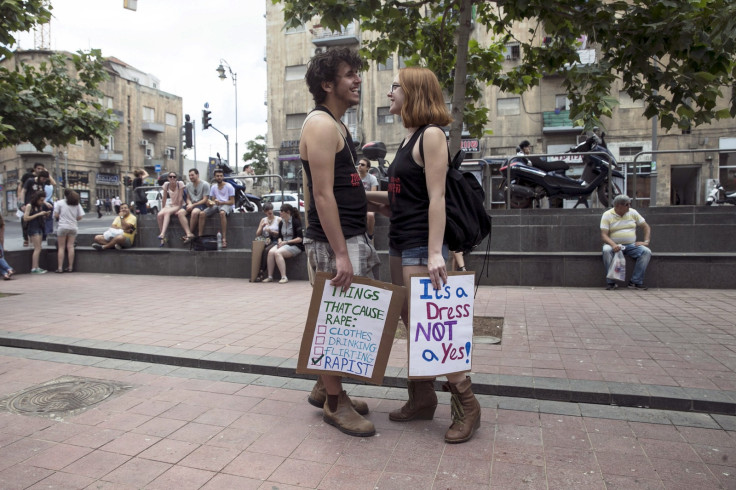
(244, 202)
(531, 179)
(718, 195)
(376, 150)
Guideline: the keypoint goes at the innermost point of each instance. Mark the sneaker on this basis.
(611, 287)
(268, 279)
(97, 246)
(284, 280)
(38, 271)
(637, 286)
(118, 246)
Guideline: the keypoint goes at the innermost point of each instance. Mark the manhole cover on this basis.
(63, 396)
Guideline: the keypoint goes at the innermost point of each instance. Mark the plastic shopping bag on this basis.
(617, 269)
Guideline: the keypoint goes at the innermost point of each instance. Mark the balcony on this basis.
(29, 149)
(107, 156)
(152, 127)
(326, 37)
(557, 121)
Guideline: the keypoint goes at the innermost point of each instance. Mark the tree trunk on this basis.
(461, 71)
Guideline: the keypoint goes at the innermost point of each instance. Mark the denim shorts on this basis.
(416, 255)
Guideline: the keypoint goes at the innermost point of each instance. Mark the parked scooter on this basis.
(376, 150)
(718, 196)
(532, 179)
(244, 202)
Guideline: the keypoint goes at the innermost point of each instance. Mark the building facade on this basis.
(148, 136)
(540, 115)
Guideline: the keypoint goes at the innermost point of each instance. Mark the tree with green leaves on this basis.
(257, 155)
(56, 102)
(675, 55)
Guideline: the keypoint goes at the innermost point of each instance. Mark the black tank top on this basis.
(408, 199)
(348, 189)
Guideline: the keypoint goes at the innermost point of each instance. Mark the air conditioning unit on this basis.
(318, 50)
(144, 142)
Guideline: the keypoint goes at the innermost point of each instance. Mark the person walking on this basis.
(416, 233)
(67, 212)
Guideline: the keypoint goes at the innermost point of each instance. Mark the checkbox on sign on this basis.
(318, 351)
(319, 340)
(322, 329)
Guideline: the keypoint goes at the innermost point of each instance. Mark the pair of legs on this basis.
(65, 241)
(164, 218)
(641, 255)
(189, 225)
(422, 397)
(5, 270)
(36, 239)
(222, 211)
(370, 223)
(121, 240)
(278, 255)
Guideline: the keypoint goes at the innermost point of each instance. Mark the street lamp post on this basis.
(221, 73)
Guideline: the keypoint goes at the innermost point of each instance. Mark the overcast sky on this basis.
(181, 43)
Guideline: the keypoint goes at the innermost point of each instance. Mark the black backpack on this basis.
(467, 222)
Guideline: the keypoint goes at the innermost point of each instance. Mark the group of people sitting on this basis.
(283, 237)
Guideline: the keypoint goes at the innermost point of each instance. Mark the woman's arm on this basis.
(435, 169)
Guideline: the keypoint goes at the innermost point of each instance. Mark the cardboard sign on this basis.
(440, 325)
(350, 332)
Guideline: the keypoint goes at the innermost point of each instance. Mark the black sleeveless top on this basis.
(352, 204)
(408, 199)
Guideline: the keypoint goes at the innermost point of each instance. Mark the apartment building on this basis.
(148, 136)
(540, 115)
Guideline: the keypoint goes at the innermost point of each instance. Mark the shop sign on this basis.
(470, 145)
(107, 179)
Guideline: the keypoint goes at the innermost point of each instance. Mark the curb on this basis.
(538, 388)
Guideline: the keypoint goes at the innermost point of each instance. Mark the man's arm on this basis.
(321, 143)
(605, 236)
(647, 234)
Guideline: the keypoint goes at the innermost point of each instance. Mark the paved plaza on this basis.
(588, 389)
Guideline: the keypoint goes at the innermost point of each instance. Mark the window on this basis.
(170, 119)
(170, 153)
(508, 107)
(149, 114)
(295, 121)
(384, 116)
(110, 143)
(107, 102)
(562, 103)
(296, 72)
(149, 150)
(629, 151)
(387, 65)
(512, 51)
(626, 102)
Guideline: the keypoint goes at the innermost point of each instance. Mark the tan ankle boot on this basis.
(346, 419)
(465, 411)
(421, 405)
(319, 394)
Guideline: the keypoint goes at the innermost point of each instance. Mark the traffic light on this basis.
(127, 181)
(188, 128)
(206, 118)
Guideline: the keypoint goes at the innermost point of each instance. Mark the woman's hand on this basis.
(437, 270)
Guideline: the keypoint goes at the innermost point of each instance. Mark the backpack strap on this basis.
(421, 144)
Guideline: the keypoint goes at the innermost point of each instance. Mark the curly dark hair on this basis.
(323, 68)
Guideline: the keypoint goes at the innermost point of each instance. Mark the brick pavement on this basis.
(662, 348)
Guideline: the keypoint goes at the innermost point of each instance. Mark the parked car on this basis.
(288, 197)
(154, 200)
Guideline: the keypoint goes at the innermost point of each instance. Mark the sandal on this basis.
(6, 276)
(224, 243)
(68, 269)
(162, 241)
(59, 271)
(187, 239)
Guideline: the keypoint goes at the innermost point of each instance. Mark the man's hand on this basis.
(344, 276)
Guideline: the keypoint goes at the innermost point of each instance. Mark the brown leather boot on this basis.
(319, 394)
(421, 405)
(346, 419)
(465, 411)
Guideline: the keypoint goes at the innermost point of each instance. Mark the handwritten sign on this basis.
(350, 332)
(440, 325)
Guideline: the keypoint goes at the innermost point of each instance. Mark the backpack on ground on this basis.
(204, 243)
(467, 222)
